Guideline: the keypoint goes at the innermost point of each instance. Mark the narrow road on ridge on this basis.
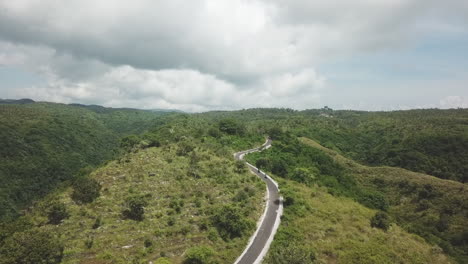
(260, 241)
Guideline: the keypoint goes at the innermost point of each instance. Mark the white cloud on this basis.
(204, 54)
(454, 102)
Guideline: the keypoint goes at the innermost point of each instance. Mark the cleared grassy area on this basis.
(337, 230)
(182, 192)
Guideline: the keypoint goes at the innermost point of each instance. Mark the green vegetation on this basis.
(199, 255)
(380, 220)
(174, 194)
(134, 207)
(85, 190)
(429, 141)
(318, 227)
(30, 247)
(290, 159)
(433, 208)
(230, 222)
(152, 205)
(43, 145)
(57, 212)
(293, 253)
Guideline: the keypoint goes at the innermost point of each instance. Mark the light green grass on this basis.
(338, 230)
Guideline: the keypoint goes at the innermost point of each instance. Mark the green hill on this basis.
(186, 200)
(435, 209)
(45, 144)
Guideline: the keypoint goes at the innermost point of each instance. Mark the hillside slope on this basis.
(45, 144)
(318, 227)
(433, 208)
(194, 200)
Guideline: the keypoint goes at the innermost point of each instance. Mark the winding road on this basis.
(260, 241)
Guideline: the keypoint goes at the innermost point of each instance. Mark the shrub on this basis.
(303, 175)
(199, 255)
(230, 222)
(374, 200)
(85, 190)
(380, 220)
(240, 167)
(57, 212)
(241, 196)
(97, 223)
(134, 207)
(292, 254)
(184, 148)
(32, 246)
(129, 142)
(89, 242)
(148, 243)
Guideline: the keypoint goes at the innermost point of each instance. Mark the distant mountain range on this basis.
(16, 101)
(91, 107)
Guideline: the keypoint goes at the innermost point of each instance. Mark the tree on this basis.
(199, 255)
(279, 168)
(129, 142)
(230, 222)
(262, 163)
(231, 127)
(134, 207)
(30, 247)
(85, 190)
(57, 212)
(275, 133)
(380, 220)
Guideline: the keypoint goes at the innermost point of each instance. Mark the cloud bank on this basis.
(203, 55)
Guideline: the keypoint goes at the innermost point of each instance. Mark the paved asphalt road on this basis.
(261, 240)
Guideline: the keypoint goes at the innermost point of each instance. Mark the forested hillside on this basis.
(45, 144)
(432, 141)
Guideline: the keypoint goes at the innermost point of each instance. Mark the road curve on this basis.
(260, 241)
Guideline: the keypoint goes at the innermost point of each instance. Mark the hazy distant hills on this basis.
(16, 101)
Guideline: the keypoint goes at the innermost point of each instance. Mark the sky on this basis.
(202, 55)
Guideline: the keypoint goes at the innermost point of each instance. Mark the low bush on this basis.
(380, 220)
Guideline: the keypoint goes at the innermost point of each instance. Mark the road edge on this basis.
(259, 223)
